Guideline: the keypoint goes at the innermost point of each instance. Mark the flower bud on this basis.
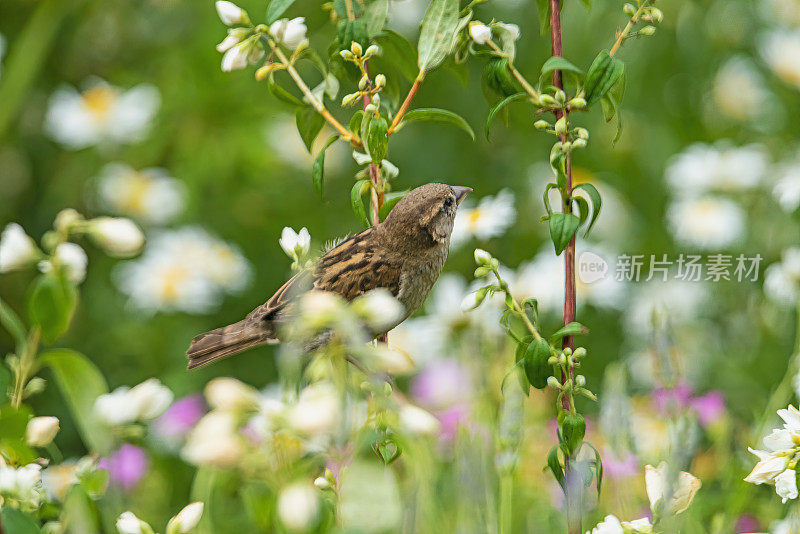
(474, 299)
(480, 33)
(655, 14)
(321, 483)
(582, 133)
(65, 219)
(580, 381)
(188, 518)
(380, 81)
(118, 236)
(541, 124)
(547, 101)
(355, 48)
(41, 431)
(560, 97)
(629, 9)
(647, 30)
(561, 126)
(482, 257)
(347, 55)
(580, 352)
(371, 108)
(230, 14)
(376, 100)
(577, 103)
(553, 382)
(372, 50)
(348, 100)
(579, 143)
(362, 83)
(127, 523)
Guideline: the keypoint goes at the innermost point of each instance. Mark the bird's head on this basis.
(427, 212)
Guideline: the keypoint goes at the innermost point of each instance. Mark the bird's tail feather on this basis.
(225, 341)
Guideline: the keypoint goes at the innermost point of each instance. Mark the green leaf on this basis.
(546, 197)
(15, 521)
(401, 53)
(13, 445)
(309, 124)
(596, 199)
(583, 208)
(340, 7)
(277, 8)
(598, 466)
(537, 370)
(355, 121)
(350, 31)
(562, 229)
(375, 16)
(555, 466)
(439, 115)
(604, 72)
(500, 105)
(436, 37)
(11, 322)
(51, 304)
(559, 63)
(356, 201)
(497, 81)
(318, 167)
(80, 382)
(377, 140)
(80, 512)
(571, 329)
(572, 428)
(282, 94)
(389, 202)
(543, 7)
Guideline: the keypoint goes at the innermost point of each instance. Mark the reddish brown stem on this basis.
(407, 102)
(572, 507)
(374, 171)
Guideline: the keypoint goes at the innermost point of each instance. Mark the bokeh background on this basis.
(211, 166)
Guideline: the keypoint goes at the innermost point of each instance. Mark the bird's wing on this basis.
(355, 267)
(297, 285)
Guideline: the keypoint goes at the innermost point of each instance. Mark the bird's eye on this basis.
(448, 202)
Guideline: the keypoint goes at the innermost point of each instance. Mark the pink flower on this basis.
(181, 417)
(747, 523)
(667, 400)
(443, 383)
(623, 466)
(451, 419)
(126, 466)
(710, 407)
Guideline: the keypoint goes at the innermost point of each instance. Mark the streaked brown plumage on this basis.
(404, 254)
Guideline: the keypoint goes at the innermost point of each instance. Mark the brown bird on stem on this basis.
(404, 254)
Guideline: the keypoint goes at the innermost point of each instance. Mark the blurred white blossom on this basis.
(214, 441)
(781, 279)
(23, 484)
(128, 523)
(655, 303)
(17, 249)
(380, 310)
(101, 114)
(480, 33)
(124, 405)
(738, 89)
(780, 49)
(229, 13)
(183, 270)
(317, 411)
(187, 518)
(681, 491)
(298, 506)
(490, 218)
(224, 393)
(417, 421)
(117, 236)
(150, 195)
(701, 168)
(708, 222)
(295, 244)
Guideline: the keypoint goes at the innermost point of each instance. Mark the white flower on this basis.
(707, 222)
(127, 523)
(57, 479)
(471, 301)
(72, 258)
(393, 360)
(229, 13)
(787, 190)
(289, 32)
(702, 168)
(655, 303)
(233, 38)
(781, 279)
(117, 236)
(102, 113)
(790, 525)
(41, 431)
(329, 86)
(214, 442)
(295, 244)
(151, 195)
(480, 33)
(23, 484)
(188, 517)
(786, 485)
(738, 89)
(320, 308)
(380, 309)
(639, 526)
(609, 525)
(225, 393)
(482, 257)
(318, 410)
(235, 58)
(417, 421)
(298, 506)
(185, 269)
(512, 29)
(151, 399)
(781, 51)
(657, 485)
(17, 249)
(115, 408)
(491, 218)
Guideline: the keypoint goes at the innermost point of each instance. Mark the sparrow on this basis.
(404, 254)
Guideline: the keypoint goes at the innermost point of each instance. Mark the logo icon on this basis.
(591, 267)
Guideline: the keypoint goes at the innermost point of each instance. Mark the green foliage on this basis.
(439, 115)
(52, 304)
(360, 188)
(499, 107)
(603, 74)
(562, 229)
(277, 8)
(17, 522)
(318, 167)
(436, 37)
(309, 124)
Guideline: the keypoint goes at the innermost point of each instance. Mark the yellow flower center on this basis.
(98, 101)
(137, 188)
(171, 282)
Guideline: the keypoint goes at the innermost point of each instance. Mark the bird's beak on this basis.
(461, 192)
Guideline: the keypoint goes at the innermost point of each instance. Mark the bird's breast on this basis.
(418, 278)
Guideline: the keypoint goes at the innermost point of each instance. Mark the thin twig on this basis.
(407, 102)
(627, 29)
(517, 74)
(315, 103)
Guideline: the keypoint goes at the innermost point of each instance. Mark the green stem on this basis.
(627, 29)
(26, 362)
(506, 503)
